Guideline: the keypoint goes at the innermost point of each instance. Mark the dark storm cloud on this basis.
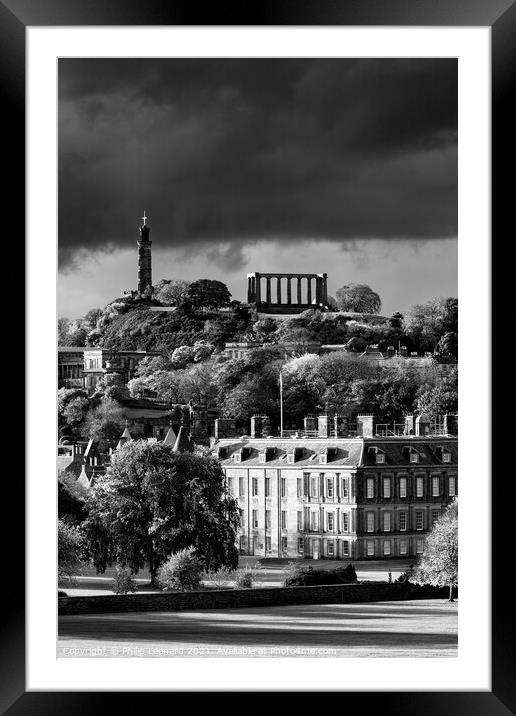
(236, 151)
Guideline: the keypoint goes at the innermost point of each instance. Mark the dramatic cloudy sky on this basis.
(347, 166)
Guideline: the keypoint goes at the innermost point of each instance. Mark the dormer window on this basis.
(414, 457)
(241, 454)
(410, 454)
(293, 456)
(265, 454)
(221, 453)
(380, 458)
(446, 456)
(323, 457)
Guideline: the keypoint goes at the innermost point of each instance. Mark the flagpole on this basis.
(281, 402)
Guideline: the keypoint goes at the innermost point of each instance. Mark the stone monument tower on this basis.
(144, 257)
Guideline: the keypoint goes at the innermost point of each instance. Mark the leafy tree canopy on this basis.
(155, 502)
(358, 298)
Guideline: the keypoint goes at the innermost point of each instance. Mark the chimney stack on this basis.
(391, 352)
(340, 426)
(225, 428)
(260, 426)
(323, 426)
(451, 425)
(422, 425)
(365, 426)
(310, 423)
(409, 425)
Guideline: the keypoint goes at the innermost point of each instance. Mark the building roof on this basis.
(183, 442)
(347, 452)
(71, 349)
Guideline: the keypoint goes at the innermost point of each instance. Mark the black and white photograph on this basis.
(257, 355)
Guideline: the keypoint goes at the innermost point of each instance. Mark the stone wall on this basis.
(237, 598)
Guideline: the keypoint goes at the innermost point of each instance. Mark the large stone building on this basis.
(70, 367)
(100, 361)
(371, 496)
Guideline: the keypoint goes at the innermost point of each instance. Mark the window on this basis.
(370, 548)
(230, 484)
(261, 457)
(299, 487)
(330, 521)
(284, 544)
(267, 519)
(242, 518)
(300, 545)
(255, 486)
(420, 545)
(345, 522)
(419, 486)
(386, 521)
(268, 545)
(403, 486)
(386, 547)
(386, 486)
(331, 548)
(451, 487)
(414, 457)
(283, 520)
(345, 549)
(380, 458)
(403, 546)
(435, 516)
(314, 517)
(419, 519)
(242, 542)
(369, 488)
(446, 456)
(403, 521)
(313, 487)
(370, 522)
(345, 492)
(283, 487)
(329, 487)
(241, 486)
(267, 487)
(435, 486)
(299, 521)
(255, 518)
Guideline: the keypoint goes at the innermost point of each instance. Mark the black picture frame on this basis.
(500, 16)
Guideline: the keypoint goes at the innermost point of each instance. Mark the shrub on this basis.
(220, 577)
(123, 581)
(69, 552)
(245, 578)
(304, 577)
(182, 571)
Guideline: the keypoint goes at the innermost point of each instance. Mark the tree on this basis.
(170, 292)
(448, 347)
(426, 323)
(104, 424)
(182, 356)
(71, 498)
(358, 298)
(202, 350)
(153, 503)
(439, 399)
(69, 551)
(439, 563)
(207, 293)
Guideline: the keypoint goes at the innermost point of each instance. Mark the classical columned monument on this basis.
(287, 292)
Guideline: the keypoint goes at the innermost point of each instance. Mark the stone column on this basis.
(258, 288)
(253, 289)
(289, 291)
(299, 289)
(309, 290)
(325, 289)
(317, 290)
(249, 290)
(268, 280)
(278, 289)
